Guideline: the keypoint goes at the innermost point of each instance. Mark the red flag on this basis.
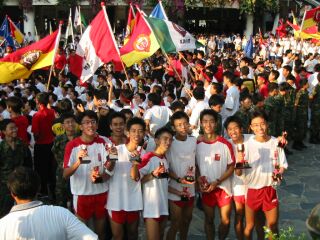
(97, 46)
(282, 29)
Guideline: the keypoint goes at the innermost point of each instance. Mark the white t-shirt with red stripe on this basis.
(260, 157)
(181, 155)
(213, 159)
(155, 191)
(80, 181)
(124, 193)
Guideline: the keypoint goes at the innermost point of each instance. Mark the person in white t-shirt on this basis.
(181, 159)
(268, 162)
(85, 161)
(31, 219)
(125, 197)
(215, 161)
(154, 173)
(156, 116)
(231, 103)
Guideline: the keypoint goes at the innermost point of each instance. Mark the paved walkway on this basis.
(298, 194)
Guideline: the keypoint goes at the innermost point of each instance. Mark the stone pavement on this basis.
(298, 194)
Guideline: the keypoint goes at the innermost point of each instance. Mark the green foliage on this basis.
(284, 234)
(253, 6)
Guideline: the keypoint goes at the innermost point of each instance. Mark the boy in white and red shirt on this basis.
(87, 178)
(154, 174)
(266, 160)
(181, 159)
(215, 162)
(125, 197)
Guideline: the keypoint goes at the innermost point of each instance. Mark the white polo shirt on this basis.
(33, 221)
(158, 116)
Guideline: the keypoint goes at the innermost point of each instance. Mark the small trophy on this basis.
(98, 179)
(190, 175)
(186, 194)
(276, 175)
(112, 156)
(204, 184)
(136, 158)
(164, 174)
(243, 164)
(282, 142)
(85, 159)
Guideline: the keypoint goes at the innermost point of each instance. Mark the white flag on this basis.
(69, 31)
(77, 18)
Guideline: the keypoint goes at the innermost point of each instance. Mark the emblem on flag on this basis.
(30, 58)
(142, 43)
(179, 29)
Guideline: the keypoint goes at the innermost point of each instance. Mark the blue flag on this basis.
(5, 33)
(158, 12)
(248, 50)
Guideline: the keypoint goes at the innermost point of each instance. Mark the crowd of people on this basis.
(210, 126)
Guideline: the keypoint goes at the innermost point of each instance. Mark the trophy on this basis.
(112, 156)
(85, 159)
(98, 179)
(164, 174)
(186, 194)
(190, 175)
(243, 164)
(136, 158)
(204, 184)
(276, 175)
(282, 142)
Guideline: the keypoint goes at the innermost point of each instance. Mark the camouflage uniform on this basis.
(315, 113)
(10, 159)
(301, 114)
(288, 112)
(62, 186)
(244, 116)
(273, 106)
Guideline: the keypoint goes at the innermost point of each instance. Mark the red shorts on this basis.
(159, 219)
(264, 198)
(239, 199)
(217, 197)
(183, 204)
(123, 217)
(87, 206)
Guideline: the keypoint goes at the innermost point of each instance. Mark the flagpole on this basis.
(304, 16)
(114, 40)
(174, 69)
(54, 54)
(80, 21)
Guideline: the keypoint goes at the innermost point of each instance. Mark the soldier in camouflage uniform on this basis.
(63, 194)
(301, 113)
(14, 153)
(244, 111)
(273, 105)
(315, 113)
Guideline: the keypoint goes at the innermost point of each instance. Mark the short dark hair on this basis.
(67, 115)
(303, 82)
(215, 100)
(43, 98)
(24, 183)
(275, 73)
(154, 98)
(258, 113)
(64, 105)
(4, 123)
(116, 115)
(245, 70)
(87, 113)
(199, 93)
(284, 86)
(217, 86)
(272, 86)
(229, 75)
(136, 121)
(32, 104)
(231, 119)
(177, 105)
(100, 94)
(287, 67)
(15, 104)
(209, 112)
(161, 131)
(142, 96)
(178, 115)
(126, 111)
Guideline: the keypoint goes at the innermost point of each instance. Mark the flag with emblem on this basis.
(15, 32)
(311, 19)
(130, 24)
(142, 43)
(97, 46)
(21, 63)
(172, 37)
